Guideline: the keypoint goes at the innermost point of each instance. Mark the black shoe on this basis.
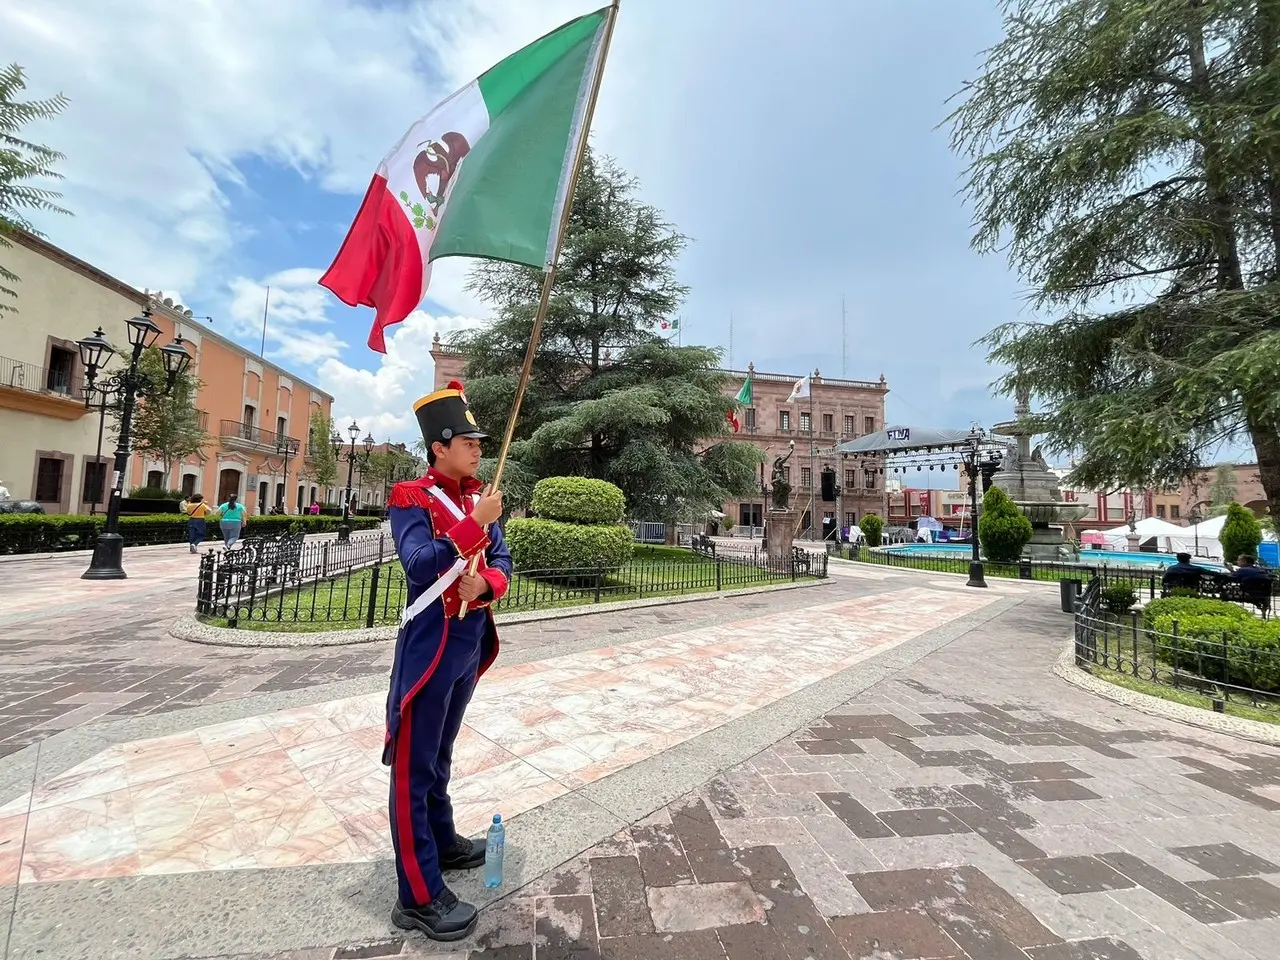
(465, 854)
(445, 918)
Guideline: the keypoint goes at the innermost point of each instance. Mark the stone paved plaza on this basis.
(883, 766)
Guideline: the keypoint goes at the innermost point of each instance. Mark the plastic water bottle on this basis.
(495, 842)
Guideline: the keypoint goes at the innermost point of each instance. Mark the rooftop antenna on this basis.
(262, 351)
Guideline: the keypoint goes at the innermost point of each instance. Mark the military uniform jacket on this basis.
(433, 530)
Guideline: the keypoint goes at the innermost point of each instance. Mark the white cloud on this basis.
(381, 399)
(296, 322)
(166, 98)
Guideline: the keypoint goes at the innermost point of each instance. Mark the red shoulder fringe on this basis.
(409, 493)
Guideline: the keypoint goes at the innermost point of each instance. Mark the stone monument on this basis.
(1033, 487)
(1133, 537)
(780, 527)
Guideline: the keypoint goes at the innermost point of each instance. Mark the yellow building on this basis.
(257, 413)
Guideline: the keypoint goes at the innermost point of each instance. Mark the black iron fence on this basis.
(366, 587)
(1225, 652)
(1143, 581)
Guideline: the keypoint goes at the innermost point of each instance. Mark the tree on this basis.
(1240, 535)
(1002, 529)
(609, 397)
(1223, 492)
(1126, 153)
(319, 465)
(167, 426)
(20, 162)
(390, 467)
(872, 527)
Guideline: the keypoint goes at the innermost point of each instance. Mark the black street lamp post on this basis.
(106, 397)
(352, 457)
(972, 454)
(95, 351)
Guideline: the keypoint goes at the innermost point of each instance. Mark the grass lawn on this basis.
(343, 603)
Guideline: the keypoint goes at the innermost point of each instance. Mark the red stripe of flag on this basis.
(379, 264)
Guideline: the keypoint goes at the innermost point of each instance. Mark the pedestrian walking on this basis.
(440, 523)
(232, 520)
(197, 512)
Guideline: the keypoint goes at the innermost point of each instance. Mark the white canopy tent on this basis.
(1169, 537)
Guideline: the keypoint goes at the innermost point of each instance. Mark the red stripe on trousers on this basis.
(404, 811)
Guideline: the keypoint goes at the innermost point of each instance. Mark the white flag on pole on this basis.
(801, 389)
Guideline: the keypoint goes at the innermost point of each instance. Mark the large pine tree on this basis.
(1126, 155)
(610, 397)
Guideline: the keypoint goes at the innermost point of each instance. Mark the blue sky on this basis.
(212, 154)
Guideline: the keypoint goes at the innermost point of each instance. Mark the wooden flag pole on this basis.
(549, 278)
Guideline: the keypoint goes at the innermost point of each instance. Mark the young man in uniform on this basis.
(440, 522)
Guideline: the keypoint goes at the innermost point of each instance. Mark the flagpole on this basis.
(549, 277)
(813, 432)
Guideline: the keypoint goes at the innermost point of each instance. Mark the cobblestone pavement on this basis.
(85, 651)
(972, 806)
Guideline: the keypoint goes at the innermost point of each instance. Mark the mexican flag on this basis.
(671, 324)
(743, 399)
(484, 174)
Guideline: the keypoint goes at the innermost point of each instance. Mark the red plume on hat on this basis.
(457, 385)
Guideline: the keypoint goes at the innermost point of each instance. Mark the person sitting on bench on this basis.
(1184, 573)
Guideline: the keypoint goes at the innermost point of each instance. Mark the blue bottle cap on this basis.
(497, 818)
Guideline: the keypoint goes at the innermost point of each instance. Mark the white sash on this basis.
(450, 576)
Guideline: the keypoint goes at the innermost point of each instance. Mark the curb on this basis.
(193, 630)
(1253, 730)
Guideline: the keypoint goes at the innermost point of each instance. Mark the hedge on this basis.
(540, 544)
(47, 533)
(578, 500)
(1224, 649)
(1180, 608)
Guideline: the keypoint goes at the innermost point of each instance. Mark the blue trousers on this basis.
(421, 814)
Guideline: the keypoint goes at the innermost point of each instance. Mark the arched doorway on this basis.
(228, 483)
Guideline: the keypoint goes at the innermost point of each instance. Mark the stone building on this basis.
(837, 410)
(58, 452)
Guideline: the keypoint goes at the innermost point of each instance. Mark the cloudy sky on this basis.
(218, 147)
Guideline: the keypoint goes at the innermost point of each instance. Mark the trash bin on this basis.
(1070, 590)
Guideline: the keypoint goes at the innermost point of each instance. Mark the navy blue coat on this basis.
(429, 540)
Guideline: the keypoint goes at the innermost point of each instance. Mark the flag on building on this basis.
(743, 399)
(801, 389)
(485, 174)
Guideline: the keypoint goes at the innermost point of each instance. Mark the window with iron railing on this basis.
(850, 478)
(828, 423)
(806, 477)
(749, 418)
(868, 424)
(806, 426)
(849, 427)
(784, 420)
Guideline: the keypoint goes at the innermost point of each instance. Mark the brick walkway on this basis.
(102, 651)
(971, 807)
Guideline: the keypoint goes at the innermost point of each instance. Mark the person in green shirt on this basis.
(232, 521)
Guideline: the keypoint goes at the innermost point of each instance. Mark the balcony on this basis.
(247, 436)
(40, 390)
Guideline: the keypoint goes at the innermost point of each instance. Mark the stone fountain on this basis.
(1033, 487)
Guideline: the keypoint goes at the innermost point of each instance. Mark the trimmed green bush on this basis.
(1119, 598)
(873, 528)
(48, 533)
(1240, 535)
(155, 493)
(1002, 529)
(1223, 648)
(578, 500)
(540, 544)
(1182, 607)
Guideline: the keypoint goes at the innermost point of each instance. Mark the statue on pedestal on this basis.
(781, 488)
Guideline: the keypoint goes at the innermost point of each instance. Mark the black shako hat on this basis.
(445, 414)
